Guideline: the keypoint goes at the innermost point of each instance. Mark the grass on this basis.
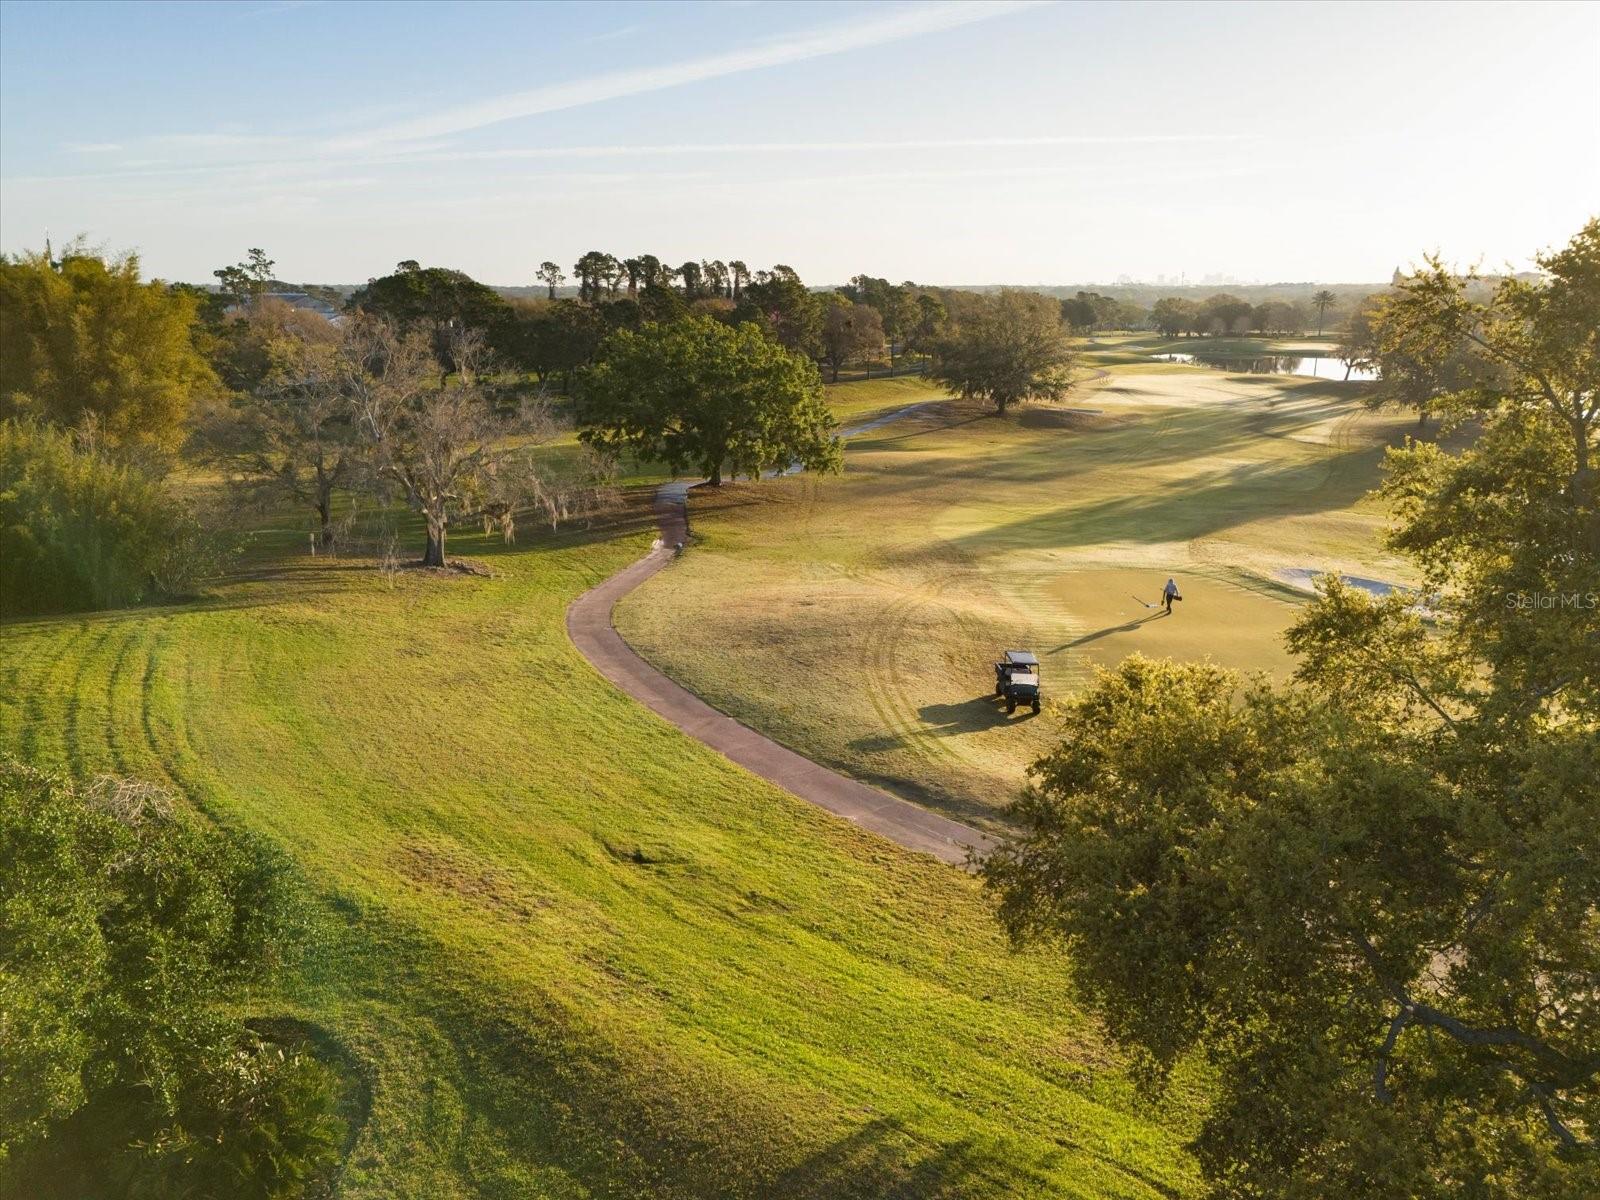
(866, 610)
(570, 952)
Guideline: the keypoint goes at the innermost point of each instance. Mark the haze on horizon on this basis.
(948, 143)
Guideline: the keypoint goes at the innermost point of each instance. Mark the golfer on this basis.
(1169, 594)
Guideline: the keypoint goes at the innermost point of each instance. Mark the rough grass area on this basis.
(855, 619)
(570, 952)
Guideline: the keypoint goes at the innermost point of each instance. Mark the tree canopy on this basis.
(699, 393)
(437, 300)
(1371, 898)
(86, 340)
(850, 332)
(1006, 349)
(124, 929)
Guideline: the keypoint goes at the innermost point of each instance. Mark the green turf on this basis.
(574, 953)
(866, 610)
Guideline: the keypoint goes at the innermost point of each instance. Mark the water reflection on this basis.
(1311, 366)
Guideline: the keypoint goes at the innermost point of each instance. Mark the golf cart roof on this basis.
(1021, 658)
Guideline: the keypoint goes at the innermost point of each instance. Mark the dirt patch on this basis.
(637, 854)
(440, 868)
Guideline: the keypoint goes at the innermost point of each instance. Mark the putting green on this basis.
(856, 618)
(1217, 620)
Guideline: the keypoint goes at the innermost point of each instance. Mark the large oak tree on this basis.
(1006, 349)
(699, 393)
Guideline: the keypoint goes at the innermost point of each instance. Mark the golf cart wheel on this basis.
(1011, 705)
(1035, 706)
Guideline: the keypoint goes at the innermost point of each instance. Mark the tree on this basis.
(612, 274)
(1371, 898)
(124, 931)
(1173, 316)
(1278, 316)
(87, 341)
(927, 325)
(738, 276)
(899, 315)
(550, 275)
(1359, 346)
(780, 303)
(240, 343)
(715, 273)
(1224, 314)
(593, 270)
(661, 302)
(435, 300)
(1079, 312)
(1322, 302)
(652, 273)
(440, 447)
(850, 332)
(699, 393)
(1009, 349)
(690, 274)
(246, 281)
(294, 434)
(82, 530)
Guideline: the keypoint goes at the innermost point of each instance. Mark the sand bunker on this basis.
(1305, 578)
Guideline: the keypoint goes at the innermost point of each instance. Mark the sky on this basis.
(1026, 143)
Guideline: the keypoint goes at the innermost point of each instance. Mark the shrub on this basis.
(80, 530)
(124, 929)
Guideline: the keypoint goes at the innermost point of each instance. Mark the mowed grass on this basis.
(574, 953)
(856, 618)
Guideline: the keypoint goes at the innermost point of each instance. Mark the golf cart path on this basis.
(589, 624)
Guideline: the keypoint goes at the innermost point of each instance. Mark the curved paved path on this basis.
(589, 625)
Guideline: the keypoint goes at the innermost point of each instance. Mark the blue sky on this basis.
(953, 143)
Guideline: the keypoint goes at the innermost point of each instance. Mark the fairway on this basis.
(855, 618)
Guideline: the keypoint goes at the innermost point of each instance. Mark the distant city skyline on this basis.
(954, 143)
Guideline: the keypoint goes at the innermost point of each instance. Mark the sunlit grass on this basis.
(867, 610)
(575, 953)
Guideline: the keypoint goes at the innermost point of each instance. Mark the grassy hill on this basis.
(572, 953)
(867, 609)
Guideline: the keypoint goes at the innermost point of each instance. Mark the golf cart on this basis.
(1016, 679)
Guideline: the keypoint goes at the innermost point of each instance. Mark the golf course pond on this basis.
(1229, 624)
(1311, 366)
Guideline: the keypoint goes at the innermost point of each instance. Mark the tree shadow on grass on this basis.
(882, 1160)
(1191, 508)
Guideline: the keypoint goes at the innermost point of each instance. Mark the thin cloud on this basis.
(613, 85)
(437, 153)
(612, 35)
(876, 147)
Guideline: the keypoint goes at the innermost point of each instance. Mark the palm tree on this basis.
(1323, 300)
